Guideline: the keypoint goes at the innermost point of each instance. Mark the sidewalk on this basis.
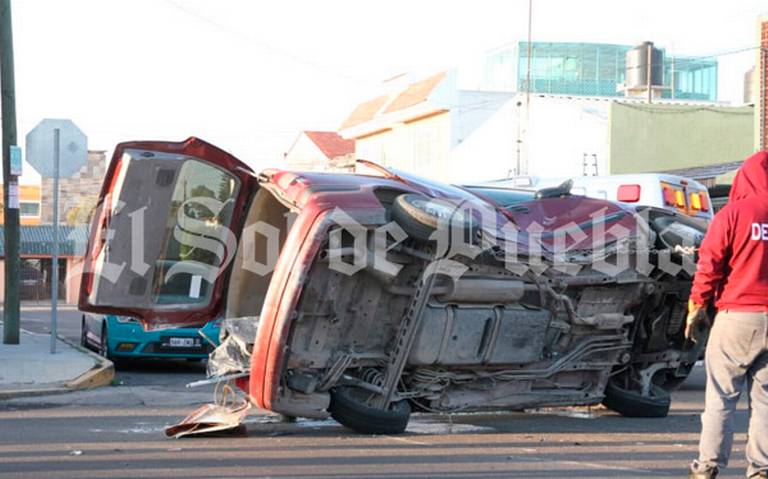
(29, 368)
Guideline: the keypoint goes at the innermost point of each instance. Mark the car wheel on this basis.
(420, 216)
(348, 407)
(631, 403)
(83, 335)
(104, 343)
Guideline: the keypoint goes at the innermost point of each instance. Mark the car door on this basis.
(165, 232)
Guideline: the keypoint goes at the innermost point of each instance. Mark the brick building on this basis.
(78, 192)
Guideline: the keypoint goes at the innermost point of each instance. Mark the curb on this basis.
(101, 374)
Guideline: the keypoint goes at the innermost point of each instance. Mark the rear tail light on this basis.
(669, 196)
(628, 193)
(704, 202)
(680, 199)
(695, 201)
(699, 202)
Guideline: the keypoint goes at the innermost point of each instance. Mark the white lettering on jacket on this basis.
(759, 232)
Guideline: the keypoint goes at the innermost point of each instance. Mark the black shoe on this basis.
(761, 475)
(708, 474)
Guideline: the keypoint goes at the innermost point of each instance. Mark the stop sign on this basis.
(73, 147)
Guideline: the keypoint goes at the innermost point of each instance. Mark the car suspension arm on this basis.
(404, 340)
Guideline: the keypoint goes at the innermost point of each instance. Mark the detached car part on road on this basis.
(366, 312)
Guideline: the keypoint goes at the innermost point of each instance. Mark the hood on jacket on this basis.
(751, 179)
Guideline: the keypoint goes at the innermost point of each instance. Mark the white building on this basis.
(434, 128)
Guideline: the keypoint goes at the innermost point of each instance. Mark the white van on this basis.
(671, 192)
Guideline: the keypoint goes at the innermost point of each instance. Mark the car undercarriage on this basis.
(369, 347)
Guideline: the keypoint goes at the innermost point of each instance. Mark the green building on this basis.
(592, 69)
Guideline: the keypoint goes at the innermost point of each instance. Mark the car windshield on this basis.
(206, 194)
(504, 197)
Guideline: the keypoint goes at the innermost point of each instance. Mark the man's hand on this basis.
(697, 322)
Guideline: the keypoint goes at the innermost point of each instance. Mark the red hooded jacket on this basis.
(733, 258)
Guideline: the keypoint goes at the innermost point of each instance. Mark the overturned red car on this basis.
(376, 294)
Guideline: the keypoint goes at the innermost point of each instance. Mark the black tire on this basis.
(631, 404)
(410, 211)
(348, 407)
(83, 335)
(103, 343)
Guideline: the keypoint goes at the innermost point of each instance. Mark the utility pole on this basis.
(10, 182)
(672, 81)
(649, 70)
(522, 164)
(528, 57)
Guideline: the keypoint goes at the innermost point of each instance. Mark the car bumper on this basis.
(131, 341)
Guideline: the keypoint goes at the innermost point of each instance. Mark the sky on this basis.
(248, 76)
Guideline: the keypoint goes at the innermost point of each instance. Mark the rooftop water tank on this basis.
(637, 66)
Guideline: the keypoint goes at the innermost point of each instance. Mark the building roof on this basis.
(331, 144)
(415, 93)
(703, 172)
(38, 240)
(364, 112)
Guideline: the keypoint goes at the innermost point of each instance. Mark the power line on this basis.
(266, 45)
(726, 52)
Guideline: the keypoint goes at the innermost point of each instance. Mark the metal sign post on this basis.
(55, 246)
(66, 162)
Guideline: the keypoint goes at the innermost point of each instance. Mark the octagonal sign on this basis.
(73, 148)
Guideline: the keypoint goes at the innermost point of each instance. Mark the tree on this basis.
(81, 213)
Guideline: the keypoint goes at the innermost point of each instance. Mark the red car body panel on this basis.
(281, 299)
(315, 196)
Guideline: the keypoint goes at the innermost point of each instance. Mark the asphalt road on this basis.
(117, 432)
(36, 317)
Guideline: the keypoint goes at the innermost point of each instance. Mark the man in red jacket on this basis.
(732, 273)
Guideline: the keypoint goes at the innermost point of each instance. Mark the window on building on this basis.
(695, 79)
(29, 209)
(571, 69)
(35, 279)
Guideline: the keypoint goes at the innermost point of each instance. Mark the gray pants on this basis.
(737, 356)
